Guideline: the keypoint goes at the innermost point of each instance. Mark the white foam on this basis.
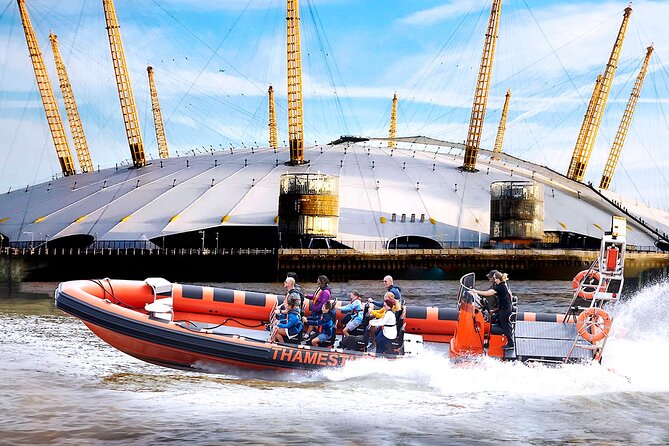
(635, 359)
(638, 345)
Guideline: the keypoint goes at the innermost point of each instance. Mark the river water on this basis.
(62, 385)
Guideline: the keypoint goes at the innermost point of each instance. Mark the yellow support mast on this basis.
(157, 116)
(482, 89)
(499, 140)
(77, 129)
(393, 123)
(125, 94)
(48, 98)
(582, 157)
(578, 148)
(273, 133)
(295, 102)
(625, 123)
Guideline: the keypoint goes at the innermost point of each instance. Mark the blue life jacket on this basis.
(396, 290)
(355, 310)
(293, 322)
(326, 322)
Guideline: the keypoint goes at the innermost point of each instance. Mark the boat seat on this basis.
(496, 329)
(159, 285)
(163, 305)
(356, 343)
(161, 309)
(294, 341)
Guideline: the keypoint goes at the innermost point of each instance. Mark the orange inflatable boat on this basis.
(200, 327)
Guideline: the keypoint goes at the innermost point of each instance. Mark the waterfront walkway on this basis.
(188, 264)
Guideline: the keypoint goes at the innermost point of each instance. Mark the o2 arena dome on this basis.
(352, 193)
(355, 192)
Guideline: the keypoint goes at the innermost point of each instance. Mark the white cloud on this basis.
(440, 13)
(219, 98)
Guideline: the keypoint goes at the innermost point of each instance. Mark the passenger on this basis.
(388, 322)
(289, 285)
(292, 290)
(500, 289)
(356, 312)
(326, 322)
(322, 295)
(377, 314)
(390, 286)
(293, 275)
(291, 327)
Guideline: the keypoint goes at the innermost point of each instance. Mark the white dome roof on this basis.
(420, 177)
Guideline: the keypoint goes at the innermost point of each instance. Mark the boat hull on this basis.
(169, 344)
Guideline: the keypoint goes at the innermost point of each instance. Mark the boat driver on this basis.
(491, 301)
(500, 289)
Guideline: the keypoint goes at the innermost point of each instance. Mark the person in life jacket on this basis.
(378, 314)
(322, 295)
(500, 289)
(390, 286)
(291, 291)
(297, 286)
(389, 283)
(291, 327)
(326, 323)
(355, 310)
(388, 322)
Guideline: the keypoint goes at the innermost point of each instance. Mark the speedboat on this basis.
(201, 327)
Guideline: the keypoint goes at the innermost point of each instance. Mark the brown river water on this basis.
(62, 385)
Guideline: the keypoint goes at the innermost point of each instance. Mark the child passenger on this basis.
(388, 322)
(356, 312)
(291, 326)
(327, 324)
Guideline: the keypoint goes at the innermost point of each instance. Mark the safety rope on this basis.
(261, 324)
(111, 294)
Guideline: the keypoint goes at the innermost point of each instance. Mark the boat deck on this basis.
(548, 341)
(258, 335)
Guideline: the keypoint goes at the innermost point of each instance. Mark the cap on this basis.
(390, 302)
(492, 273)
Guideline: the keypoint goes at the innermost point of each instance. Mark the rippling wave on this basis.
(62, 385)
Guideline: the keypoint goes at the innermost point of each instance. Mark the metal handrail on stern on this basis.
(273, 320)
(593, 323)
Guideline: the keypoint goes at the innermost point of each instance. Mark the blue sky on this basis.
(213, 62)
